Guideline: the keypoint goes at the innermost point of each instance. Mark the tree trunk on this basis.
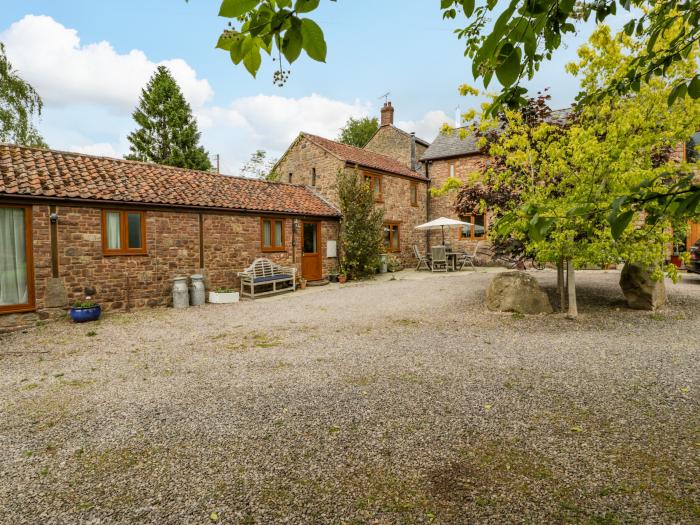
(571, 289)
(560, 284)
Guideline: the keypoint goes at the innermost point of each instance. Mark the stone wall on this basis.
(444, 205)
(231, 242)
(300, 161)
(396, 144)
(396, 201)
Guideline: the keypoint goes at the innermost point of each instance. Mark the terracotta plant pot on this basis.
(342, 279)
(302, 285)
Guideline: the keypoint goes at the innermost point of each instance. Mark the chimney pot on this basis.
(387, 114)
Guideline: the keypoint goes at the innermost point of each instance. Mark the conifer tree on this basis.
(167, 132)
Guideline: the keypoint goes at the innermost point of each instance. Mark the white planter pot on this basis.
(223, 298)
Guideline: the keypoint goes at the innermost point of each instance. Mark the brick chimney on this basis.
(387, 114)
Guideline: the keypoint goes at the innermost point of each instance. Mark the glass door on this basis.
(16, 267)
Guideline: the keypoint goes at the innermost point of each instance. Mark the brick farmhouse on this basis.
(71, 223)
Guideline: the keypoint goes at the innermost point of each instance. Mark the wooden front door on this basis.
(693, 233)
(311, 268)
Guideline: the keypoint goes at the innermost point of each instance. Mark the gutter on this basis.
(148, 205)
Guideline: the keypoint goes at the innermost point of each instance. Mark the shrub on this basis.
(361, 226)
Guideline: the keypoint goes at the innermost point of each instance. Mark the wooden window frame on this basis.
(124, 233)
(470, 218)
(28, 247)
(375, 178)
(273, 247)
(389, 249)
(413, 194)
(452, 164)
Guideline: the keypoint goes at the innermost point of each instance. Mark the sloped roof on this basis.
(47, 173)
(364, 158)
(452, 145)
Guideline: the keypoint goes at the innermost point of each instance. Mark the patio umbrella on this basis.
(441, 223)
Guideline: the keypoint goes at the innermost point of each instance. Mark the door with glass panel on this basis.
(311, 267)
(16, 265)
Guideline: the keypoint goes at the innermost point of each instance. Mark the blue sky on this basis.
(89, 59)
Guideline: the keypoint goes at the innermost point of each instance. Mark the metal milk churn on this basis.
(197, 292)
(181, 296)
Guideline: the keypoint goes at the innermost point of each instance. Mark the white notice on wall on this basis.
(331, 249)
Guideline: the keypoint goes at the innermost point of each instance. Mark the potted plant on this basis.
(223, 295)
(342, 276)
(302, 283)
(84, 311)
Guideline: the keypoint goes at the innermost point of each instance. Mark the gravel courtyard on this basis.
(385, 402)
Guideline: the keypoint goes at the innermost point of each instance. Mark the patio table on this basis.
(452, 258)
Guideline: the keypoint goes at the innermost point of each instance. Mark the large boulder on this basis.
(641, 291)
(517, 292)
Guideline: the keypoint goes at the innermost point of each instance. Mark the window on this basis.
(289, 178)
(392, 237)
(375, 183)
(414, 194)
(272, 235)
(123, 232)
(477, 229)
(451, 168)
(16, 265)
(313, 176)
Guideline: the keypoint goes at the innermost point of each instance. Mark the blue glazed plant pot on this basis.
(83, 315)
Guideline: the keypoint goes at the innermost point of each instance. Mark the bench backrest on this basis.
(263, 267)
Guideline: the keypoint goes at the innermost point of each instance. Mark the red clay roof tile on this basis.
(362, 157)
(49, 173)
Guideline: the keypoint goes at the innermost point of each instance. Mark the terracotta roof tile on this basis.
(364, 158)
(48, 173)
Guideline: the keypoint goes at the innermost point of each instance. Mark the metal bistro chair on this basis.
(469, 258)
(439, 259)
(422, 259)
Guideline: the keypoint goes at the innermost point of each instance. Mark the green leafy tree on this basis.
(260, 167)
(525, 33)
(361, 227)
(358, 131)
(19, 104)
(574, 185)
(167, 132)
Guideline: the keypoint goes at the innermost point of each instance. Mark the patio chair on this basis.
(439, 259)
(422, 259)
(468, 258)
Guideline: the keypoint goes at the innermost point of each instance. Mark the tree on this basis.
(575, 183)
(361, 229)
(525, 33)
(19, 104)
(357, 132)
(167, 132)
(260, 167)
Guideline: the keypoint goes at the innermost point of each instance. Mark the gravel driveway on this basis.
(384, 402)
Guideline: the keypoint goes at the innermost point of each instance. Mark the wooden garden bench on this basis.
(263, 273)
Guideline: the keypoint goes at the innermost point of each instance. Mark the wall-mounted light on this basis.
(53, 217)
(295, 225)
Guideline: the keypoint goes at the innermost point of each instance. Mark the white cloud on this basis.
(428, 126)
(101, 149)
(51, 57)
(275, 121)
